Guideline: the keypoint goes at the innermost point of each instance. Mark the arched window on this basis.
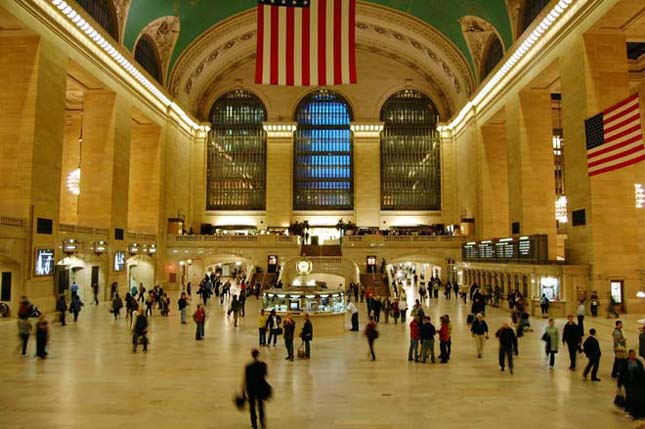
(530, 10)
(103, 12)
(237, 149)
(494, 55)
(146, 55)
(323, 154)
(410, 153)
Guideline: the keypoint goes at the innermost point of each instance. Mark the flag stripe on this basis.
(275, 38)
(344, 54)
(618, 166)
(352, 41)
(619, 155)
(621, 104)
(266, 72)
(329, 44)
(338, 41)
(635, 139)
(614, 127)
(624, 110)
(322, 42)
(259, 58)
(290, 44)
(306, 58)
(624, 134)
(282, 46)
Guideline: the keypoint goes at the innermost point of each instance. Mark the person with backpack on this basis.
(117, 304)
(140, 331)
(75, 306)
(200, 319)
(182, 304)
(372, 334)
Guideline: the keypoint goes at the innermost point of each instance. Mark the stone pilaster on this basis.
(279, 196)
(367, 173)
(494, 208)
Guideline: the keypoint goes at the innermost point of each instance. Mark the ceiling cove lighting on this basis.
(132, 70)
(539, 34)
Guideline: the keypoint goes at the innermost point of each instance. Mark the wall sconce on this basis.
(100, 247)
(134, 249)
(152, 249)
(70, 246)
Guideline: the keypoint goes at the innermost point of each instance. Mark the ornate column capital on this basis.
(279, 129)
(367, 129)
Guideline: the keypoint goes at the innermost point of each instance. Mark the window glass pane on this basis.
(146, 55)
(410, 153)
(493, 56)
(236, 176)
(103, 13)
(323, 154)
(531, 10)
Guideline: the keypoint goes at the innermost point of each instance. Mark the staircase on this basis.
(265, 280)
(375, 281)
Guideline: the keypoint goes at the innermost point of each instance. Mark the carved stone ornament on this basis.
(513, 7)
(165, 32)
(478, 32)
(122, 7)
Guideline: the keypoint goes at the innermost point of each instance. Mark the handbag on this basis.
(279, 331)
(546, 337)
(301, 351)
(619, 400)
(239, 400)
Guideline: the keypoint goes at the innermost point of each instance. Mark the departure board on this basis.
(505, 249)
(486, 250)
(526, 249)
(470, 251)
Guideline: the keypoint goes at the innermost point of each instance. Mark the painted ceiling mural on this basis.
(197, 16)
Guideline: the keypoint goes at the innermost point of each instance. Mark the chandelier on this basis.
(561, 210)
(74, 182)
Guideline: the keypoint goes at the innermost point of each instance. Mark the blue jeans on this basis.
(199, 333)
(427, 347)
(414, 348)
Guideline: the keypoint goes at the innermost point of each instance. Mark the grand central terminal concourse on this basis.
(352, 214)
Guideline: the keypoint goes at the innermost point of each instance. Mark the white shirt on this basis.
(352, 308)
(581, 310)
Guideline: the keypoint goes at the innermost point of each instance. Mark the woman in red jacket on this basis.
(444, 340)
(200, 318)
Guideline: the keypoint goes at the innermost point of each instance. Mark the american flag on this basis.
(306, 42)
(615, 137)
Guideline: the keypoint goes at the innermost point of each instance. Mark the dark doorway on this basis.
(95, 275)
(5, 290)
(61, 279)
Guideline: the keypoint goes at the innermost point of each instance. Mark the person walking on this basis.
(611, 308)
(75, 306)
(200, 318)
(150, 300)
(572, 338)
(24, 331)
(591, 347)
(95, 292)
(641, 343)
(117, 304)
(620, 349)
(351, 308)
(395, 310)
(428, 331)
(580, 312)
(551, 337)
(479, 329)
(372, 334)
(140, 331)
(594, 304)
(182, 305)
(632, 378)
(61, 307)
(273, 324)
(307, 335)
(142, 293)
(289, 327)
(507, 346)
(235, 309)
(42, 336)
(256, 389)
(544, 305)
(262, 328)
(415, 336)
(403, 308)
(444, 340)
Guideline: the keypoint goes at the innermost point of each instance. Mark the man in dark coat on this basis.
(307, 335)
(256, 388)
(572, 337)
(591, 348)
(507, 346)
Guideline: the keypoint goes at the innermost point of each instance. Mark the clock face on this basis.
(304, 267)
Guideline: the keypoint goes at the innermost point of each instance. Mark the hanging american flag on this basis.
(306, 42)
(615, 137)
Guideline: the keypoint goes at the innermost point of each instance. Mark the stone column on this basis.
(367, 173)
(493, 200)
(449, 174)
(279, 195)
(531, 179)
(594, 76)
(198, 179)
(105, 161)
(145, 179)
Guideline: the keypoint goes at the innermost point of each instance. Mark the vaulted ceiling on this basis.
(197, 16)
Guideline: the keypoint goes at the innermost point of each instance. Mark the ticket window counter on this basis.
(313, 303)
(549, 286)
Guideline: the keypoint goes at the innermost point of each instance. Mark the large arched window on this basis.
(323, 154)
(494, 54)
(146, 55)
(237, 148)
(103, 12)
(530, 10)
(410, 153)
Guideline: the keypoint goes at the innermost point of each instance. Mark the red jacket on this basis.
(414, 330)
(199, 316)
(444, 333)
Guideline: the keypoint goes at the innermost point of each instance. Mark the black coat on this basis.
(307, 331)
(479, 327)
(255, 382)
(571, 334)
(591, 348)
(507, 338)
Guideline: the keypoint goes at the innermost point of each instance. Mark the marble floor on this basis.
(93, 380)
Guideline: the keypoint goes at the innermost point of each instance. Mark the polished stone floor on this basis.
(93, 380)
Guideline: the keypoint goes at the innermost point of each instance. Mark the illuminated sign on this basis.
(44, 262)
(119, 261)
